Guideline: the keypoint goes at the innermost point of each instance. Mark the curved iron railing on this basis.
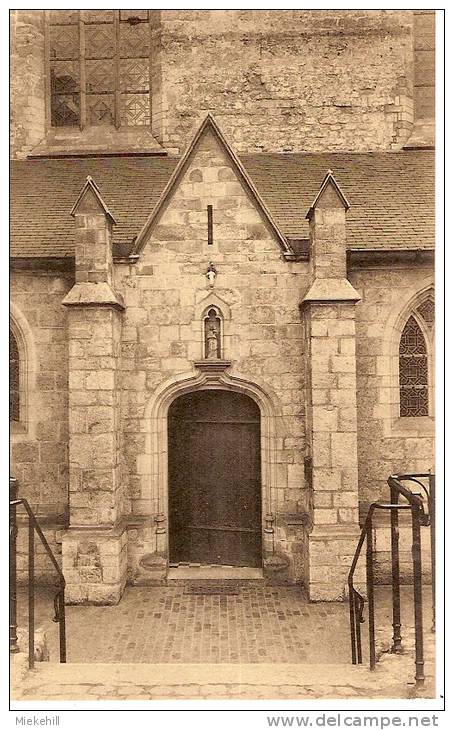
(416, 504)
(59, 598)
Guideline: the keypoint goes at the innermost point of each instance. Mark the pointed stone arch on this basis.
(154, 462)
(23, 336)
(390, 395)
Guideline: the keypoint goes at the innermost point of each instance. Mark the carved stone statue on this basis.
(212, 336)
(212, 344)
(211, 275)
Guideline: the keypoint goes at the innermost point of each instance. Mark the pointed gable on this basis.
(90, 201)
(329, 195)
(208, 127)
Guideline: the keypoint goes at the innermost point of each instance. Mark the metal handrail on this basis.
(59, 598)
(415, 503)
(429, 519)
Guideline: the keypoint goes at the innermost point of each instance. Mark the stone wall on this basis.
(294, 79)
(27, 105)
(424, 50)
(276, 80)
(39, 444)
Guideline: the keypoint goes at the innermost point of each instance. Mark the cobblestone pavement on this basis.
(166, 625)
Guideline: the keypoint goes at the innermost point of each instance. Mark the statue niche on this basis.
(212, 328)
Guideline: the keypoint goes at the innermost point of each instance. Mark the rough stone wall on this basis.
(276, 80)
(162, 332)
(387, 444)
(424, 50)
(294, 79)
(27, 80)
(39, 446)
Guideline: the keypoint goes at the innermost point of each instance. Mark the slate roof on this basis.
(391, 196)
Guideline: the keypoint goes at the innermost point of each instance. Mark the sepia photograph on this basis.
(222, 358)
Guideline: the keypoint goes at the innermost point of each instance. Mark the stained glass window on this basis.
(413, 371)
(99, 66)
(14, 379)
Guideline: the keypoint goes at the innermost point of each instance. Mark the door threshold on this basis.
(198, 573)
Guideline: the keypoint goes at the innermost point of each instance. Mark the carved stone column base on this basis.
(94, 565)
(153, 570)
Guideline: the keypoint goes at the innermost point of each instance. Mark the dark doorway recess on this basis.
(214, 479)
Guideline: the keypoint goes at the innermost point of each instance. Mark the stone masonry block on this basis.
(323, 499)
(325, 516)
(324, 418)
(101, 380)
(344, 449)
(327, 479)
(342, 364)
(341, 327)
(321, 449)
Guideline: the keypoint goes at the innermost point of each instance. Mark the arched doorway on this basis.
(214, 479)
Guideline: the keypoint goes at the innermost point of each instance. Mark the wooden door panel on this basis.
(214, 480)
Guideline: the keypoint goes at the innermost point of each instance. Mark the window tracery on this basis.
(99, 67)
(414, 354)
(427, 311)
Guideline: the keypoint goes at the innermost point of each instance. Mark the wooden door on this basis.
(214, 479)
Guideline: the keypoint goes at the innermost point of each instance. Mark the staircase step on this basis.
(214, 681)
(214, 575)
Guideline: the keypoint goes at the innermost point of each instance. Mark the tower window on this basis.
(99, 67)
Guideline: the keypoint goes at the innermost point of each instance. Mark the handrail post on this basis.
(358, 633)
(353, 621)
(417, 592)
(13, 491)
(370, 593)
(432, 542)
(395, 571)
(31, 594)
(62, 622)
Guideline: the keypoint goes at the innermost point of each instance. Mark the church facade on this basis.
(222, 287)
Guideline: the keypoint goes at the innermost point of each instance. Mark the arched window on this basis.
(414, 361)
(98, 67)
(14, 379)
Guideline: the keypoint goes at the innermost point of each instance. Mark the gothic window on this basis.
(413, 371)
(14, 379)
(99, 67)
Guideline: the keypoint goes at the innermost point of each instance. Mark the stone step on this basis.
(201, 681)
(214, 575)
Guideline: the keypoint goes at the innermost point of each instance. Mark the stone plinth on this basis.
(94, 565)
